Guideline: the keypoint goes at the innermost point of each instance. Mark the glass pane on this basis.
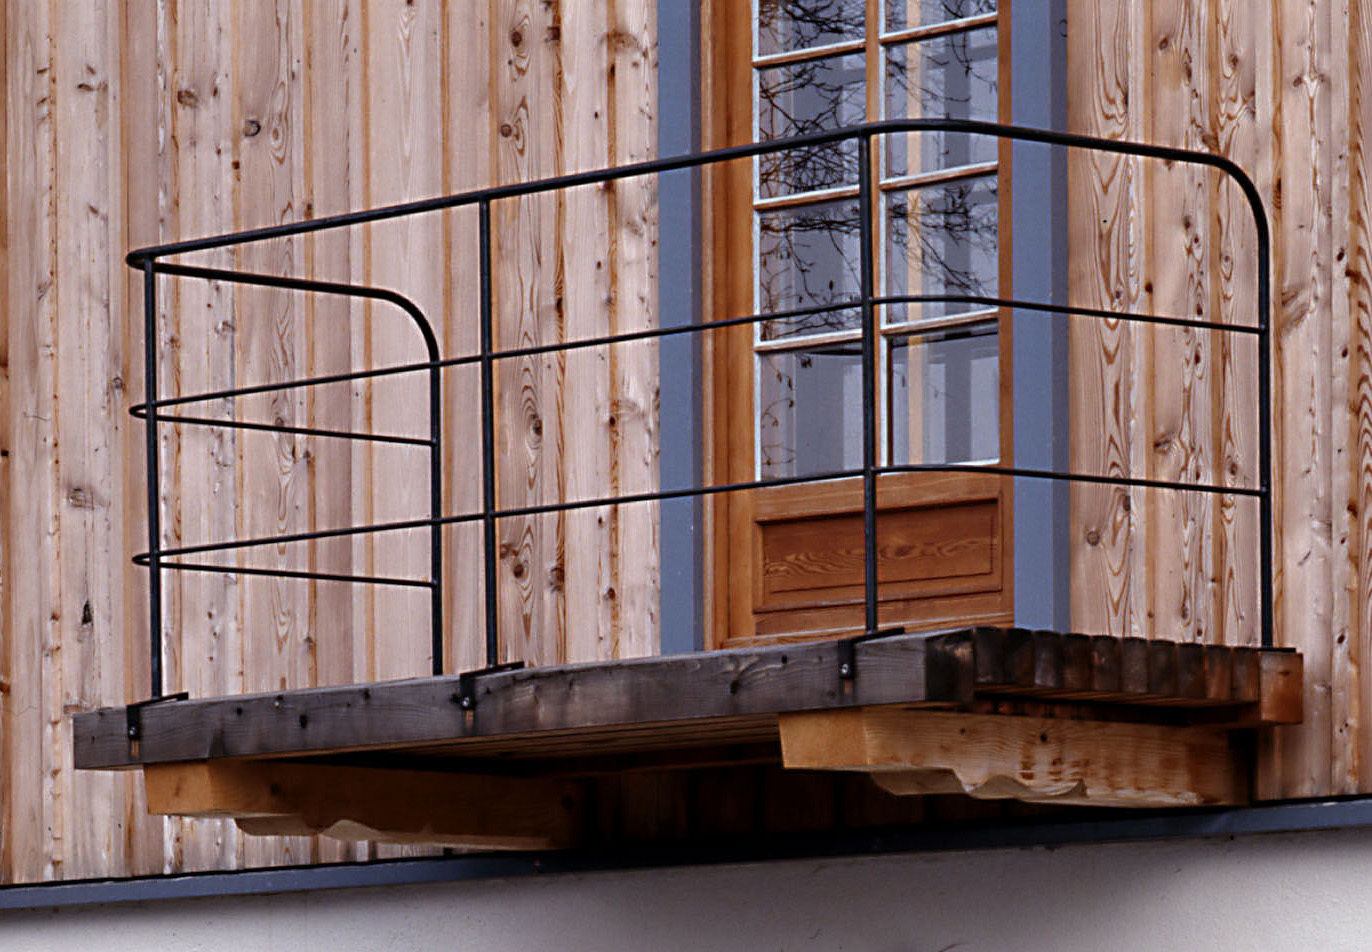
(808, 257)
(904, 14)
(941, 240)
(785, 25)
(810, 410)
(945, 396)
(810, 97)
(951, 76)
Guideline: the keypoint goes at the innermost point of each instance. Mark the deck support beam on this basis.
(370, 803)
(1045, 760)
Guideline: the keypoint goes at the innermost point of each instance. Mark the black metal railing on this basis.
(154, 409)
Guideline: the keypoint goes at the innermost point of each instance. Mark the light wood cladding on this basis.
(1279, 86)
(131, 124)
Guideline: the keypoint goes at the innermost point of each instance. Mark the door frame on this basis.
(731, 548)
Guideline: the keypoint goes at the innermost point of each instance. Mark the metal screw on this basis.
(845, 670)
(466, 703)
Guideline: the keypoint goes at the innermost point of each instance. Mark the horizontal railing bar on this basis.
(412, 524)
(696, 160)
(141, 411)
(313, 285)
(669, 494)
(467, 360)
(143, 558)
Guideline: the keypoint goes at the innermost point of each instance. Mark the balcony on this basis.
(784, 733)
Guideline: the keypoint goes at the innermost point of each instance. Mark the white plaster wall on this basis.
(1309, 891)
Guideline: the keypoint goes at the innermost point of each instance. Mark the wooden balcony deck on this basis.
(499, 760)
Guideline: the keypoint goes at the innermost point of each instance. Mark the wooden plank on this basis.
(1358, 687)
(634, 368)
(32, 594)
(1342, 381)
(424, 711)
(92, 363)
(359, 803)
(1076, 664)
(142, 33)
(273, 476)
(1101, 244)
(1105, 664)
(1302, 284)
(527, 257)
(333, 182)
(200, 332)
(405, 158)
(589, 420)
(1035, 759)
(1242, 111)
(468, 65)
(1282, 689)
(1177, 112)
(1219, 673)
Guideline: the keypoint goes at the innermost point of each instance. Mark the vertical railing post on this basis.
(869, 366)
(1266, 568)
(435, 513)
(488, 440)
(154, 480)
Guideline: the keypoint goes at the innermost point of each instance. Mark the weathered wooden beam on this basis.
(371, 803)
(995, 662)
(697, 688)
(1025, 758)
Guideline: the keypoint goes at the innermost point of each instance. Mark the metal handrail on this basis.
(149, 261)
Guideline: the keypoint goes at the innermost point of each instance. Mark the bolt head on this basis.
(845, 669)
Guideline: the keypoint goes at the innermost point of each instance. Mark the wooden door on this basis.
(784, 396)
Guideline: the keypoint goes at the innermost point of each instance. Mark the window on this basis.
(787, 393)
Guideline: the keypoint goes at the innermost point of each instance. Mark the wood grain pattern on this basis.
(131, 124)
(1356, 689)
(353, 803)
(33, 608)
(1039, 760)
(1260, 86)
(1100, 275)
(632, 39)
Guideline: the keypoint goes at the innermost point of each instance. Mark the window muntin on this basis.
(937, 225)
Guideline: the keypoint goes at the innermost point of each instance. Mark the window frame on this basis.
(731, 550)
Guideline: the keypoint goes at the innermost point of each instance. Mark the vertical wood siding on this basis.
(129, 124)
(1280, 86)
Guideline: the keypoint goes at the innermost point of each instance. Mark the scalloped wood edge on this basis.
(274, 798)
(1093, 763)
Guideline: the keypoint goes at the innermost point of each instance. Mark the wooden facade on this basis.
(131, 124)
(128, 124)
(1281, 87)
